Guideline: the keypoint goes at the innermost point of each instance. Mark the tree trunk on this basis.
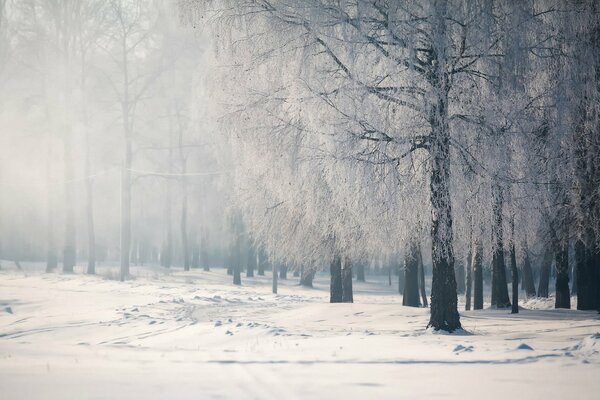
(545, 274)
(515, 278)
(335, 287)
(360, 272)
(563, 296)
(410, 295)
(469, 281)
(274, 267)
(587, 276)
(262, 261)
(51, 257)
(69, 250)
(251, 261)
(283, 271)
(500, 297)
(204, 259)
(478, 276)
(184, 217)
(460, 278)
(528, 282)
(126, 212)
(347, 295)
(89, 195)
(307, 276)
(422, 276)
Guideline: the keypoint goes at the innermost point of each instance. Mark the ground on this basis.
(193, 335)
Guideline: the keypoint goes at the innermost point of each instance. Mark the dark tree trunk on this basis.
(283, 271)
(307, 276)
(515, 279)
(251, 261)
(574, 278)
(262, 261)
(528, 282)
(478, 276)
(545, 274)
(347, 295)
(422, 276)
(183, 225)
(588, 261)
(469, 282)
(390, 277)
(335, 287)
(500, 297)
(238, 257)
(296, 271)
(410, 295)
(360, 272)
(460, 278)
(561, 258)
(444, 309)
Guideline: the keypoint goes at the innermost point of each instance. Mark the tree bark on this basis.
(500, 297)
(347, 294)
(251, 265)
(335, 287)
(262, 261)
(307, 276)
(545, 274)
(275, 274)
(360, 272)
(469, 282)
(460, 278)
(69, 250)
(51, 257)
(561, 258)
(478, 276)
(410, 295)
(528, 282)
(587, 276)
(422, 276)
(283, 271)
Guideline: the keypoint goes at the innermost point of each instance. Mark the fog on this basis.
(80, 80)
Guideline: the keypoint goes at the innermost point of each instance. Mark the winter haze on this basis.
(283, 199)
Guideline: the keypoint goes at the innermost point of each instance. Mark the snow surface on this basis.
(193, 335)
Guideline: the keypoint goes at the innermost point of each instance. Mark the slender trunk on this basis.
(469, 282)
(563, 296)
(283, 271)
(545, 274)
(528, 282)
(500, 297)
(125, 213)
(184, 217)
(335, 287)
(410, 295)
(513, 268)
(204, 259)
(422, 276)
(262, 261)
(307, 276)
(251, 261)
(51, 257)
(460, 278)
(237, 264)
(347, 295)
(515, 279)
(478, 275)
(69, 250)
(274, 267)
(360, 272)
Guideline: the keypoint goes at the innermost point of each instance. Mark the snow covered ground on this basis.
(193, 335)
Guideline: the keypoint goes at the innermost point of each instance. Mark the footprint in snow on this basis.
(229, 333)
(8, 310)
(524, 346)
(463, 349)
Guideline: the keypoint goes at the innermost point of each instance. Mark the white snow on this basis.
(193, 335)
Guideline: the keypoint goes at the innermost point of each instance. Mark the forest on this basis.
(187, 185)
